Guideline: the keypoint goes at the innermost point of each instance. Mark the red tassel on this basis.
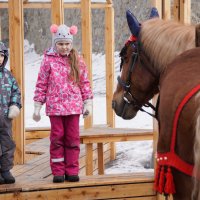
(156, 183)
(161, 181)
(169, 186)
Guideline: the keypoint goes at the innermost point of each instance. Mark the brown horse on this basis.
(160, 57)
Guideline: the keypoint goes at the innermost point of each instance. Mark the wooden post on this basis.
(155, 130)
(176, 8)
(158, 4)
(89, 159)
(87, 44)
(110, 71)
(57, 12)
(16, 41)
(166, 9)
(185, 11)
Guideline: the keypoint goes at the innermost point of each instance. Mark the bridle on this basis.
(126, 85)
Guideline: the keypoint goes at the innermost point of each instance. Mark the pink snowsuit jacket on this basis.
(55, 87)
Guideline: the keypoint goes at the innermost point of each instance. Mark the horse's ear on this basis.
(197, 35)
(133, 23)
(154, 13)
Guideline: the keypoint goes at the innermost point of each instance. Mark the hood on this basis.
(4, 50)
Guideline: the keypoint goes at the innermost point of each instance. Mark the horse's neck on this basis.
(164, 40)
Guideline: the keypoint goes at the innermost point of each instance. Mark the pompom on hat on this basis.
(62, 33)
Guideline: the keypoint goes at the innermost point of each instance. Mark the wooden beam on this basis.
(100, 158)
(87, 44)
(89, 159)
(47, 5)
(166, 10)
(158, 5)
(185, 11)
(3, 5)
(155, 130)
(109, 56)
(33, 5)
(109, 1)
(176, 8)
(100, 5)
(110, 71)
(155, 139)
(57, 12)
(16, 41)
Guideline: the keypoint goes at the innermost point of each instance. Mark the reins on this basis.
(128, 97)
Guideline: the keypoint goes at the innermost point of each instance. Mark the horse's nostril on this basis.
(113, 104)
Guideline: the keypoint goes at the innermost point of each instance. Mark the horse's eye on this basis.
(133, 46)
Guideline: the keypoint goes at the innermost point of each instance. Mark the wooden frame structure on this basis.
(181, 9)
(181, 12)
(57, 7)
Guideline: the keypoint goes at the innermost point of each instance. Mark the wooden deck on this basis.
(101, 136)
(34, 179)
(127, 186)
(37, 154)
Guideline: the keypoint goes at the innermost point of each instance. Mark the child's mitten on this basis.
(13, 111)
(87, 108)
(36, 114)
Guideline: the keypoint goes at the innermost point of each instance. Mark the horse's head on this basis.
(138, 81)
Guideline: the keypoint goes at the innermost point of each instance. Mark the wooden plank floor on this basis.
(34, 180)
(139, 186)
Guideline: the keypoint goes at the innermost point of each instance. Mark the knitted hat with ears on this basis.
(62, 33)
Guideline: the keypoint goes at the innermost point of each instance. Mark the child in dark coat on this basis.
(10, 104)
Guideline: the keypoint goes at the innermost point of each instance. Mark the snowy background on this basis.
(131, 156)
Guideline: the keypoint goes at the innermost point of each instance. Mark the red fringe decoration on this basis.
(169, 185)
(161, 181)
(156, 183)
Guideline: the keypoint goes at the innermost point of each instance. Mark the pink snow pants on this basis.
(64, 145)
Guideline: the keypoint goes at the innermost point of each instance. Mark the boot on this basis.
(58, 179)
(8, 177)
(2, 181)
(72, 178)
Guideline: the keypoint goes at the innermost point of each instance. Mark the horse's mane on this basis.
(163, 40)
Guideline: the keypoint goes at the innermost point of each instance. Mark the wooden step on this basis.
(126, 186)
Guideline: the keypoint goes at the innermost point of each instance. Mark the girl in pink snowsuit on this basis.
(64, 86)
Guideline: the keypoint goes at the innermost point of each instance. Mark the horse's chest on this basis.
(175, 84)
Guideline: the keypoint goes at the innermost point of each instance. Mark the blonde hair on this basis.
(74, 62)
(164, 40)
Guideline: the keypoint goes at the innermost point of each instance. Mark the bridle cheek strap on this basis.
(126, 86)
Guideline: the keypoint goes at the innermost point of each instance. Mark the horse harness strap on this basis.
(171, 159)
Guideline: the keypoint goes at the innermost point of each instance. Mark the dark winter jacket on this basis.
(9, 90)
